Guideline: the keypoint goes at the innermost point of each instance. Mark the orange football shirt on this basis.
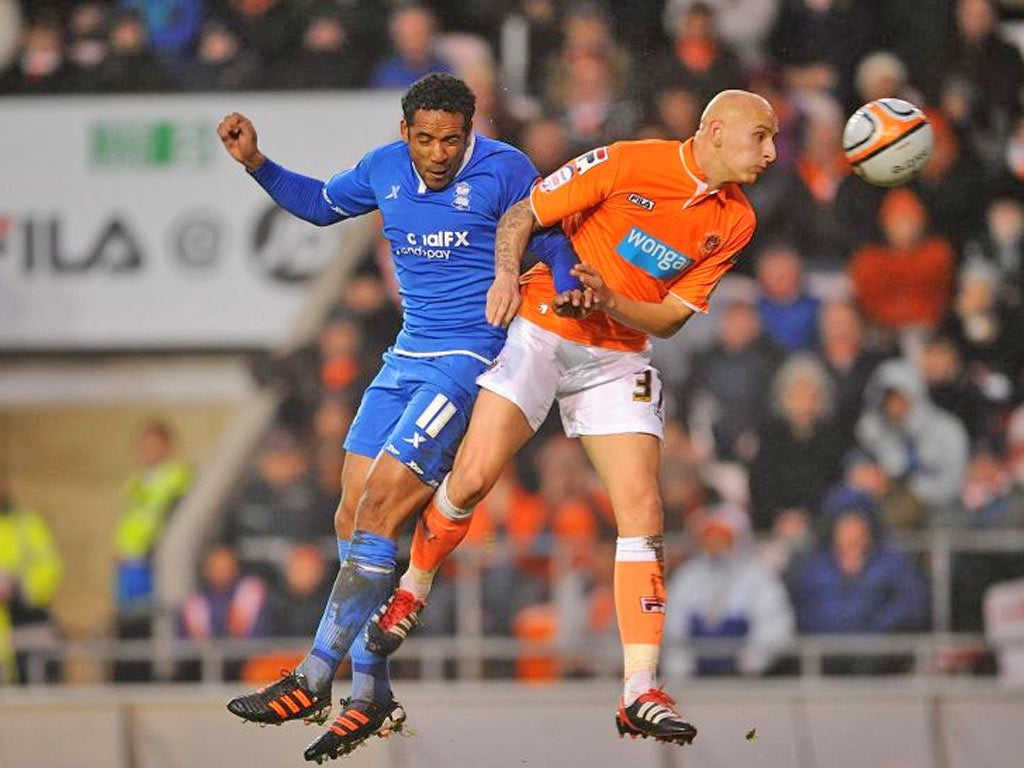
(641, 214)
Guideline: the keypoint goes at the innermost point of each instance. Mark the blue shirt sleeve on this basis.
(350, 192)
(299, 195)
(552, 247)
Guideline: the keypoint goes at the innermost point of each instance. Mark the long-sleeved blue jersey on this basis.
(442, 242)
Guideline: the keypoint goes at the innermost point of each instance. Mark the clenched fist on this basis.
(238, 136)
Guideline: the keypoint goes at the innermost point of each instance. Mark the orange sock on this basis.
(640, 608)
(436, 536)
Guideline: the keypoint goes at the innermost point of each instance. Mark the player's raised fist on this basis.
(238, 136)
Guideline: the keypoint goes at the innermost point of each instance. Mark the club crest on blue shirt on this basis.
(461, 201)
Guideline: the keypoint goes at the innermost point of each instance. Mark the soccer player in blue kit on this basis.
(441, 191)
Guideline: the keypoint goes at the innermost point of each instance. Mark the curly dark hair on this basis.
(439, 91)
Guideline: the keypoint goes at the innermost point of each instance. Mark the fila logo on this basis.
(640, 200)
(436, 415)
(416, 440)
(652, 605)
(393, 194)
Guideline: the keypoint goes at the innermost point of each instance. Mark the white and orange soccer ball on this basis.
(888, 142)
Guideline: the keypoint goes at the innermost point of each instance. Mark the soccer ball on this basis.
(887, 141)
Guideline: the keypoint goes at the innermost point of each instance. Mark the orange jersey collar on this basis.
(696, 176)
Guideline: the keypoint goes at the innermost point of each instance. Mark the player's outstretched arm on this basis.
(299, 195)
(514, 230)
(658, 319)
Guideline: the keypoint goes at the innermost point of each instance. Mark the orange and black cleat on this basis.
(287, 699)
(358, 721)
(653, 716)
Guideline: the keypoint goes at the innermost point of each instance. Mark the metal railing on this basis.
(467, 653)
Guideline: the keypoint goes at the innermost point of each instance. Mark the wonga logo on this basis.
(652, 255)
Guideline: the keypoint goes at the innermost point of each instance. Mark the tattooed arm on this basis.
(514, 230)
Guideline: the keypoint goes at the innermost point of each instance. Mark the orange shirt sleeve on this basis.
(576, 186)
(695, 286)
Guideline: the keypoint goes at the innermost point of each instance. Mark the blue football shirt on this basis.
(442, 242)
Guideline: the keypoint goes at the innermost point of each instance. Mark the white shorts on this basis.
(599, 391)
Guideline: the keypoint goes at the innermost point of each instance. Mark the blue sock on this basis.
(364, 581)
(321, 663)
(371, 677)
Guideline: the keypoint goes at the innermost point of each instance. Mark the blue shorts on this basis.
(417, 409)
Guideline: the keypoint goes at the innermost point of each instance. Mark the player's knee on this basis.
(642, 515)
(344, 516)
(372, 512)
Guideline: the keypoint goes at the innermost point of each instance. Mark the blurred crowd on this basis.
(859, 381)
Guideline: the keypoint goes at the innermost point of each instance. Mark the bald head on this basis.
(735, 140)
(735, 104)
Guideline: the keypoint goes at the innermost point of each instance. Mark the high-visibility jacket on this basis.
(150, 498)
(30, 556)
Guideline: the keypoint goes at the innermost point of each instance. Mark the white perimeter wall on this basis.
(889, 724)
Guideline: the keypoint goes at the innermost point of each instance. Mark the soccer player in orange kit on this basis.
(656, 224)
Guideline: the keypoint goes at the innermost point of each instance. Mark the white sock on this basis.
(638, 683)
(417, 581)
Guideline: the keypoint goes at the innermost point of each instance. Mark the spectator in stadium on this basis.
(587, 84)
(413, 32)
(849, 361)
(294, 603)
(949, 181)
(227, 604)
(725, 593)
(855, 582)
(510, 544)
(39, 67)
(819, 43)
(172, 25)
(10, 31)
(1000, 244)
(916, 444)
(905, 284)
(882, 74)
(799, 454)
(31, 568)
(988, 332)
(729, 384)
(151, 495)
(800, 204)
(697, 56)
(743, 25)
(276, 506)
(990, 499)
(675, 110)
(327, 57)
(493, 117)
(952, 390)
(990, 71)
(221, 62)
(789, 314)
(270, 28)
(131, 66)
(87, 46)
(545, 141)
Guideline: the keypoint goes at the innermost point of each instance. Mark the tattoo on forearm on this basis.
(513, 234)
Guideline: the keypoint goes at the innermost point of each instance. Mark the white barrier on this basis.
(863, 724)
(124, 224)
